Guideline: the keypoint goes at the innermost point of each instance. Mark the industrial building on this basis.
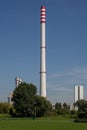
(18, 81)
(10, 98)
(79, 94)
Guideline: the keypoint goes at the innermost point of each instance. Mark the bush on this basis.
(82, 115)
(81, 120)
(4, 108)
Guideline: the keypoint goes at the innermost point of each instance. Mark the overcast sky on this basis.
(66, 42)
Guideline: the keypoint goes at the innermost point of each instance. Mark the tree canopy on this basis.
(27, 103)
(4, 108)
(82, 105)
(82, 110)
(43, 106)
(58, 106)
(23, 98)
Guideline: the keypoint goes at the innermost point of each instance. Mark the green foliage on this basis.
(62, 110)
(23, 98)
(82, 115)
(43, 106)
(65, 106)
(59, 111)
(82, 105)
(81, 120)
(12, 110)
(4, 108)
(58, 106)
(4, 116)
(73, 113)
(82, 110)
(27, 104)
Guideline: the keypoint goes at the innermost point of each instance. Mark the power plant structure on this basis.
(79, 93)
(10, 98)
(42, 52)
(18, 81)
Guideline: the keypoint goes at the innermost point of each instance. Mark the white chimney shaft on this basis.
(43, 53)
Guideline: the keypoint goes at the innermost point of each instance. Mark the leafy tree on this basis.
(65, 106)
(58, 106)
(82, 109)
(23, 98)
(43, 106)
(82, 105)
(62, 109)
(4, 108)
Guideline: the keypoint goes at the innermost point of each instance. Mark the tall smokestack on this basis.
(43, 53)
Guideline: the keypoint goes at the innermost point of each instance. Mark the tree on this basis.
(4, 108)
(82, 109)
(23, 98)
(58, 106)
(43, 106)
(66, 108)
(62, 109)
(82, 105)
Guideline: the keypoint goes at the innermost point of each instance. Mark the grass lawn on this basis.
(41, 124)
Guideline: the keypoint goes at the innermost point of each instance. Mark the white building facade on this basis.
(79, 94)
(10, 98)
(18, 81)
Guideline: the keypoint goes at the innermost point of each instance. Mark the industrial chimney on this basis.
(42, 52)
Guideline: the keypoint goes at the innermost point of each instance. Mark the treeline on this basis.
(62, 109)
(26, 103)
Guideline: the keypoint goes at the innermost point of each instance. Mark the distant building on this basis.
(10, 98)
(72, 107)
(78, 92)
(18, 81)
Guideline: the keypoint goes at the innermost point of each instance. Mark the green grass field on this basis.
(41, 124)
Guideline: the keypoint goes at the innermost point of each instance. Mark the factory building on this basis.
(79, 94)
(10, 98)
(18, 81)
